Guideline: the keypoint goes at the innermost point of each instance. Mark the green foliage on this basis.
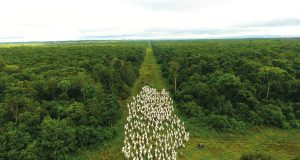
(57, 139)
(218, 122)
(271, 73)
(234, 83)
(76, 113)
(110, 110)
(223, 123)
(272, 115)
(14, 141)
(60, 97)
(11, 68)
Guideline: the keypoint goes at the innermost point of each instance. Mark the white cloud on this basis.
(35, 20)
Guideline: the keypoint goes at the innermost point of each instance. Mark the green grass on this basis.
(283, 144)
(150, 74)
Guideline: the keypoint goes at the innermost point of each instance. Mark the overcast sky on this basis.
(48, 20)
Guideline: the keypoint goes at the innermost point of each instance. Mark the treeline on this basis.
(56, 98)
(231, 84)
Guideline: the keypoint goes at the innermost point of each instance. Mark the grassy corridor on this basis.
(149, 74)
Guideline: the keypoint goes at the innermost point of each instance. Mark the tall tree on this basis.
(271, 74)
(174, 67)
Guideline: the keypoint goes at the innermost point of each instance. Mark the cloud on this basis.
(34, 20)
(175, 5)
(275, 23)
(11, 37)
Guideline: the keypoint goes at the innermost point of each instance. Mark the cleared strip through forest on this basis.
(150, 73)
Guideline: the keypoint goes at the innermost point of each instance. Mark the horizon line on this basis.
(170, 39)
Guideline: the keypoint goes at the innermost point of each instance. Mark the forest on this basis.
(234, 84)
(67, 100)
(58, 97)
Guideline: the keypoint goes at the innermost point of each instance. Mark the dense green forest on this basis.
(58, 97)
(233, 84)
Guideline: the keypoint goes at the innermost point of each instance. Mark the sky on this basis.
(60, 20)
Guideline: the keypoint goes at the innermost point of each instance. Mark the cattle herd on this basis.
(153, 131)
